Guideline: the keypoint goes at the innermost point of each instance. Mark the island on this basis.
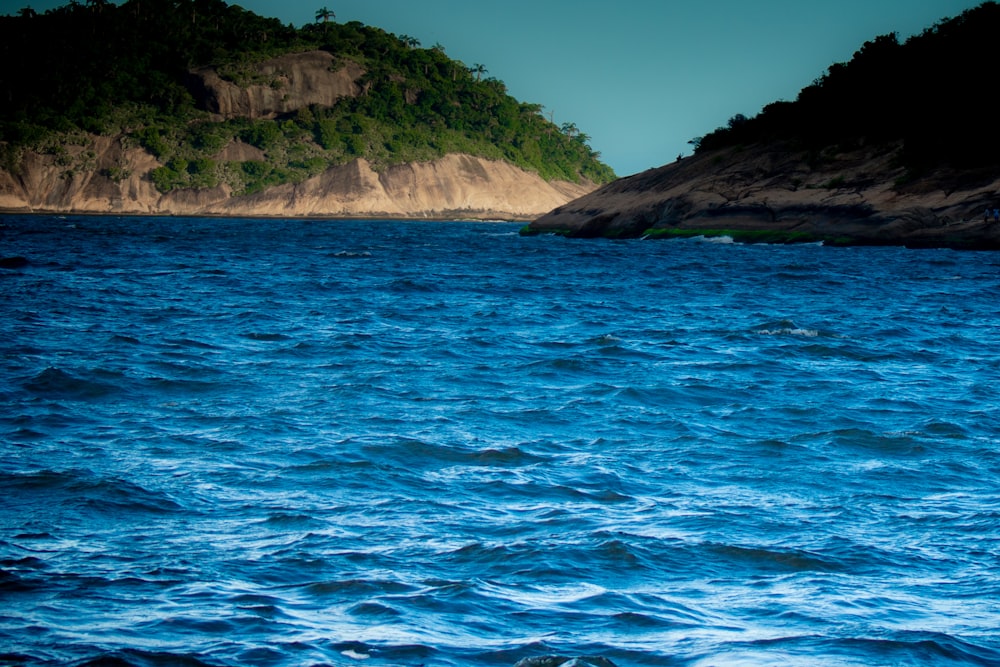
(895, 147)
(210, 109)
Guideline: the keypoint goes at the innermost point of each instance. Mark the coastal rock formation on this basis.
(107, 177)
(277, 86)
(778, 194)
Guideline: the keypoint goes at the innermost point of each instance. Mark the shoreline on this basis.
(770, 193)
(454, 187)
(259, 216)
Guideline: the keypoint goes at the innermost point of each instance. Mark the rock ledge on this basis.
(774, 194)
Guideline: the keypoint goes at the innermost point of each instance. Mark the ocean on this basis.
(306, 442)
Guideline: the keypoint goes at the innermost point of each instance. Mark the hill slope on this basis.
(140, 106)
(890, 148)
(774, 193)
(455, 186)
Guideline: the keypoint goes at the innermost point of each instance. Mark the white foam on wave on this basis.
(808, 333)
(722, 240)
(354, 655)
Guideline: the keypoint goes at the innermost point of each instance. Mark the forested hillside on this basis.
(126, 70)
(928, 92)
(899, 146)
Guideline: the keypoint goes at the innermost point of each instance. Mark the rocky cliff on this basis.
(775, 193)
(105, 176)
(115, 174)
(277, 86)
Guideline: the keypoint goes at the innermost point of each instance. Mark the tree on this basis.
(325, 14)
(417, 102)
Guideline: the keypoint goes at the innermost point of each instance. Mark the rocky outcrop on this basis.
(277, 86)
(102, 176)
(773, 193)
(106, 177)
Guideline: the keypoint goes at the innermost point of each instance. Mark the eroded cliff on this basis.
(107, 177)
(776, 193)
(278, 86)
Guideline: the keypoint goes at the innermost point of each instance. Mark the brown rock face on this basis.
(455, 186)
(280, 85)
(104, 177)
(773, 193)
(107, 176)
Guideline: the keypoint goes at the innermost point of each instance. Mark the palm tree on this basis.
(411, 42)
(325, 14)
(479, 70)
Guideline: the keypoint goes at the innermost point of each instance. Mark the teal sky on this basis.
(641, 77)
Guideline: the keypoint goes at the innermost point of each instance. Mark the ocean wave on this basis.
(807, 333)
(480, 449)
(352, 254)
(895, 648)
(57, 383)
(785, 328)
(763, 559)
(84, 488)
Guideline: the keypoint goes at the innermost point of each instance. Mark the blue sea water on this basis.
(264, 442)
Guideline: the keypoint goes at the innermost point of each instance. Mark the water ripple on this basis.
(226, 444)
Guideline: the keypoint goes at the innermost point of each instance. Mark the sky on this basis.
(640, 77)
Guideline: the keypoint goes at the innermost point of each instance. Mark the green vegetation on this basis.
(125, 70)
(928, 93)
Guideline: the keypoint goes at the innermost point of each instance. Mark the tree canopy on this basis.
(933, 93)
(125, 69)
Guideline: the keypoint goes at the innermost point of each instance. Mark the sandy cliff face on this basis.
(109, 178)
(862, 197)
(100, 177)
(112, 175)
(283, 85)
